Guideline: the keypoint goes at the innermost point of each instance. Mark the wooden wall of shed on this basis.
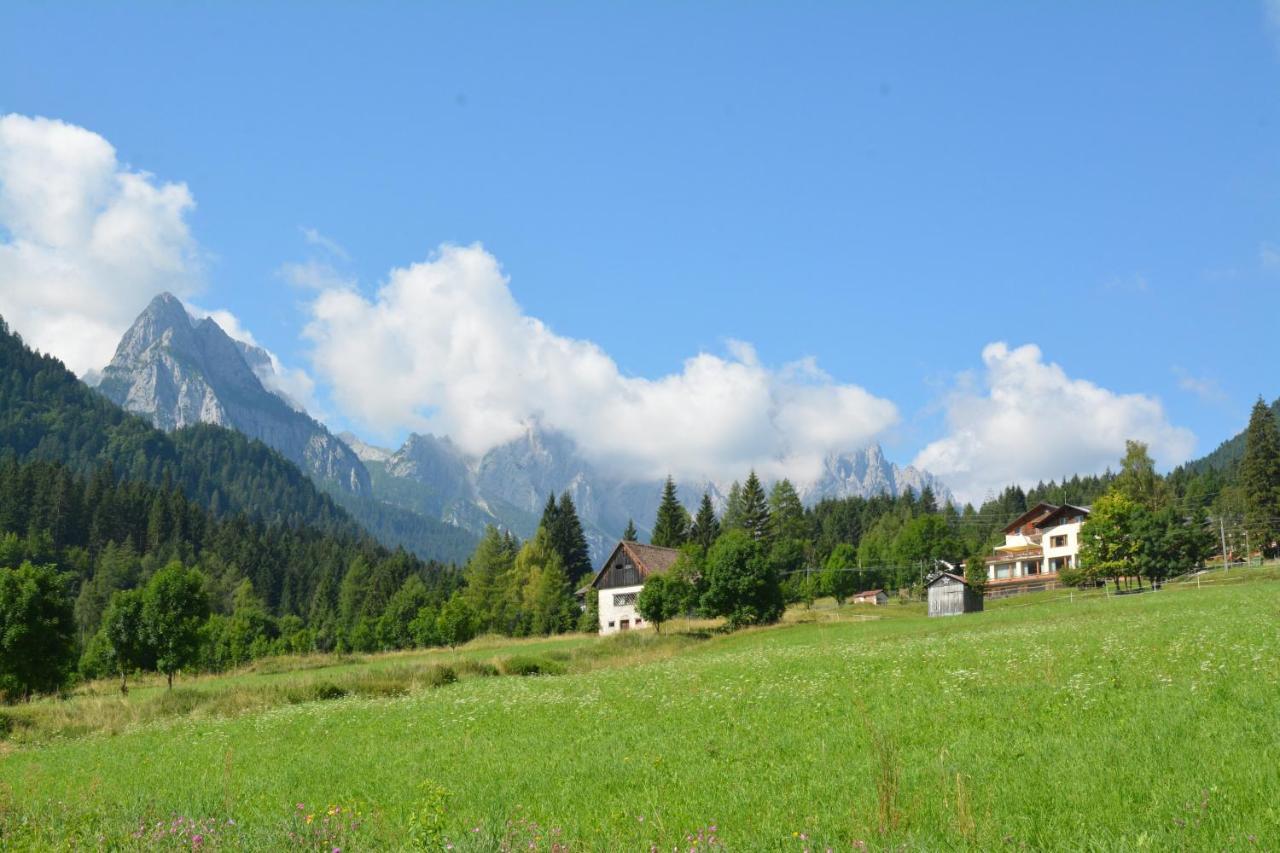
(948, 597)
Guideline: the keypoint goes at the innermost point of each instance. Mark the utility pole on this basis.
(1223, 531)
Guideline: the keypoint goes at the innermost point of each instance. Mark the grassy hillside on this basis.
(1055, 721)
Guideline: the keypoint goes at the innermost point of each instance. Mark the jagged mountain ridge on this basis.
(509, 484)
(178, 371)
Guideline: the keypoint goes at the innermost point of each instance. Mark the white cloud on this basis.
(333, 247)
(444, 346)
(314, 275)
(1025, 420)
(85, 241)
(1204, 387)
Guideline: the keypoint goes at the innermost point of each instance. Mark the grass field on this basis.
(1049, 721)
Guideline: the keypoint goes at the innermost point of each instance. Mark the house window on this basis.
(624, 599)
(1058, 541)
(610, 624)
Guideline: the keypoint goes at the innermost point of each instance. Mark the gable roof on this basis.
(1034, 515)
(940, 575)
(869, 592)
(1065, 509)
(648, 559)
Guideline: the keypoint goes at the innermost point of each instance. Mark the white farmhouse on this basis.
(1038, 544)
(620, 580)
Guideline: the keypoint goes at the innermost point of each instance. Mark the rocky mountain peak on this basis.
(178, 372)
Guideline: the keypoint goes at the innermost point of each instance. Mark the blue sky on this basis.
(884, 189)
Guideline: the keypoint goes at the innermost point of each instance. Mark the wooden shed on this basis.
(877, 597)
(949, 595)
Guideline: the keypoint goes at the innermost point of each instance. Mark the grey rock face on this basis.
(866, 473)
(364, 452)
(178, 371)
(509, 485)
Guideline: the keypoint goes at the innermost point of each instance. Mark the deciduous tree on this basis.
(174, 607)
(741, 585)
(37, 630)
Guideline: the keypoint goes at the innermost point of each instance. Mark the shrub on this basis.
(325, 690)
(530, 665)
(440, 675)
(475, 667)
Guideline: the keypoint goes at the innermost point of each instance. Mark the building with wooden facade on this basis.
(1037, 545)
(951, 595)
(620, 579)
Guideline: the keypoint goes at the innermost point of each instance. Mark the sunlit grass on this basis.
(1086, 722)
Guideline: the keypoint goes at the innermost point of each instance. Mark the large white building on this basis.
(620, 580)
(1042, 541)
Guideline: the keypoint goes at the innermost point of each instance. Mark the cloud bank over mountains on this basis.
(443, 346)
(85, 240)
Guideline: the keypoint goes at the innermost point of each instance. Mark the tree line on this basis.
(1147, 526)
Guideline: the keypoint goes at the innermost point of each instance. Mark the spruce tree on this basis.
(671, 527)
(1260, 478)
(755, 509)
(732, 518)
(928, 501)
(629, 535)
(565, 531)
(786, 512)
(550, 513)
(705, 525)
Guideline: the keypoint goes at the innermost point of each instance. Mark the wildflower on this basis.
(310, 818)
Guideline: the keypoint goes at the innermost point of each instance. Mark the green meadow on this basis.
(1057, 721)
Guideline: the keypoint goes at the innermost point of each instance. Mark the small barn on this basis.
(877, 597)
(950, 595)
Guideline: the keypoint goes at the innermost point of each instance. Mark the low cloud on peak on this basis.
(444, 347)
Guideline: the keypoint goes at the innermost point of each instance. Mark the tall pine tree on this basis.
(565, 532)
(732, 518)
(1260, 478)
(630, 534)
(671, 527)
(786, 512)
(705, 525)
(755, 509)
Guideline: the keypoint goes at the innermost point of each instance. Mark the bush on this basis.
(325, 690)
(440, 675)
(530, 665)
(476, 667)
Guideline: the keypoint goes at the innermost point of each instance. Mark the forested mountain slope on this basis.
(47, 414)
